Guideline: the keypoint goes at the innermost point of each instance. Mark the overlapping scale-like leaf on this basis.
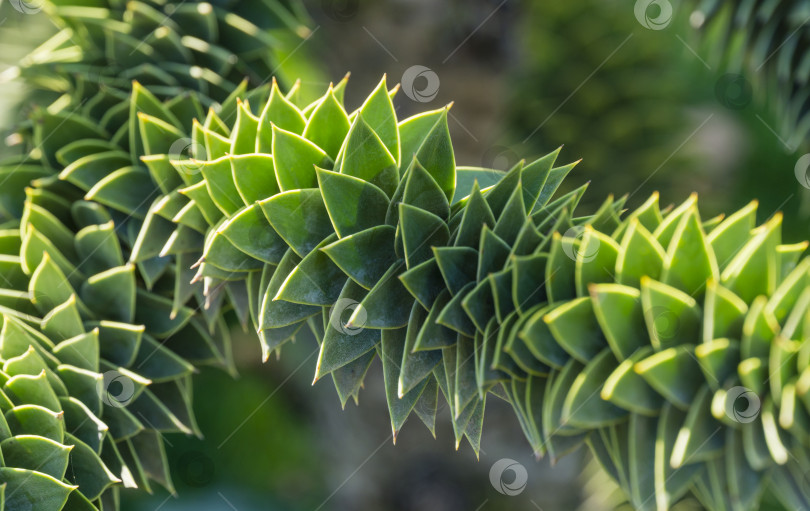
(641, 333)
(97, 245)
(88, 387)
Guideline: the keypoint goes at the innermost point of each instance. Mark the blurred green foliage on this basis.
(589, 74)
(647, 110)
(270, 462)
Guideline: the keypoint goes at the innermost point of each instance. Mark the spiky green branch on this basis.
(639, 334)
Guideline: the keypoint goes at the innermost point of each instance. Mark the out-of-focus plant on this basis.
(768, 43)
(665, 107)
(590, 71)
(173, 47)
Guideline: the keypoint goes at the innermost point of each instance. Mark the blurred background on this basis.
(646, 107)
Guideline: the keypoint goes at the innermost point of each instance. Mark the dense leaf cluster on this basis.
(96, 353)
(676, 348)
